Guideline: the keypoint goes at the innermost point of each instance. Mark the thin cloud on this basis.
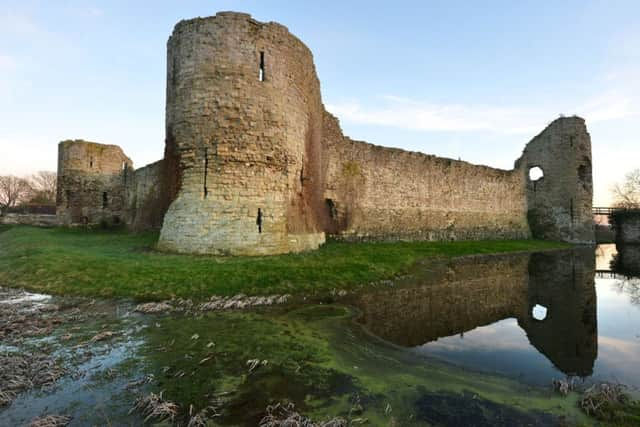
(419, 115)
(621, 95)
(425, 116)
(611, 105)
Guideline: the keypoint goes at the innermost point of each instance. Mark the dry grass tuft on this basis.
(600, 400)
(154, 407)
(50, 421)
(284, 415)
(22, 372)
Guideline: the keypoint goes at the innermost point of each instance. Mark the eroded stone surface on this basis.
(560, 203)
(254, 165)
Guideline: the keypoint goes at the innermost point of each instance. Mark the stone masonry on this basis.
(560, 203)
(254, 165)
(91, 183)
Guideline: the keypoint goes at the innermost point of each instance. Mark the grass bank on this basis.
(118, 264)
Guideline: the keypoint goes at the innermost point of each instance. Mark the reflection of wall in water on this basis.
(627, 261)
(452, 297)
(456, 296)
(565, 285)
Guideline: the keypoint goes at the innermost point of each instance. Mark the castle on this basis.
(254, 165)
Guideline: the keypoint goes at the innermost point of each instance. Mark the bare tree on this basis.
(627, 194)
(13, 189)
(44, 187)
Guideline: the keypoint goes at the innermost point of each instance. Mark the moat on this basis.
(469, 341)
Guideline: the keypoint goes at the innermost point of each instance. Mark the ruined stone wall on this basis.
(386, 193)
(246, 145)
(254, 165)
(146, 204)
(98, 185)
(92, 181)
(261, 168)
(560, 203)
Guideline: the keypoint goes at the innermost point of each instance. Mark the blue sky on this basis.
(470, 80)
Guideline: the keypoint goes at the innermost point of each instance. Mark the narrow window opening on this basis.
(572, 213)
(539, 312)
(259, 220)
(68, 194)
(261, 74)
(105, 200)
(206, 168)
(91, 162)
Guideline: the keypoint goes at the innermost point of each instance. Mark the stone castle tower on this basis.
(243, 121)
(560, 202)
(92, 182)
(254, 165)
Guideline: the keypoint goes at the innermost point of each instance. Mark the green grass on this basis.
(119, 264)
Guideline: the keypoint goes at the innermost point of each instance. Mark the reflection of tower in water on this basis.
(565, 285)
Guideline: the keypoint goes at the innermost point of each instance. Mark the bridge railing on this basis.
(601, 210)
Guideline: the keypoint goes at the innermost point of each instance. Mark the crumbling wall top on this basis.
(91, 157)
(238, 17)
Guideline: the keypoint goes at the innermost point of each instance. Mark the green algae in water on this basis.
(197, 360)
(317, 358)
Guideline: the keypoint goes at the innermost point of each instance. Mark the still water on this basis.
(469, 341)
(479, 313)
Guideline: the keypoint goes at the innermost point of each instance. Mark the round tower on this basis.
(243, 126)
